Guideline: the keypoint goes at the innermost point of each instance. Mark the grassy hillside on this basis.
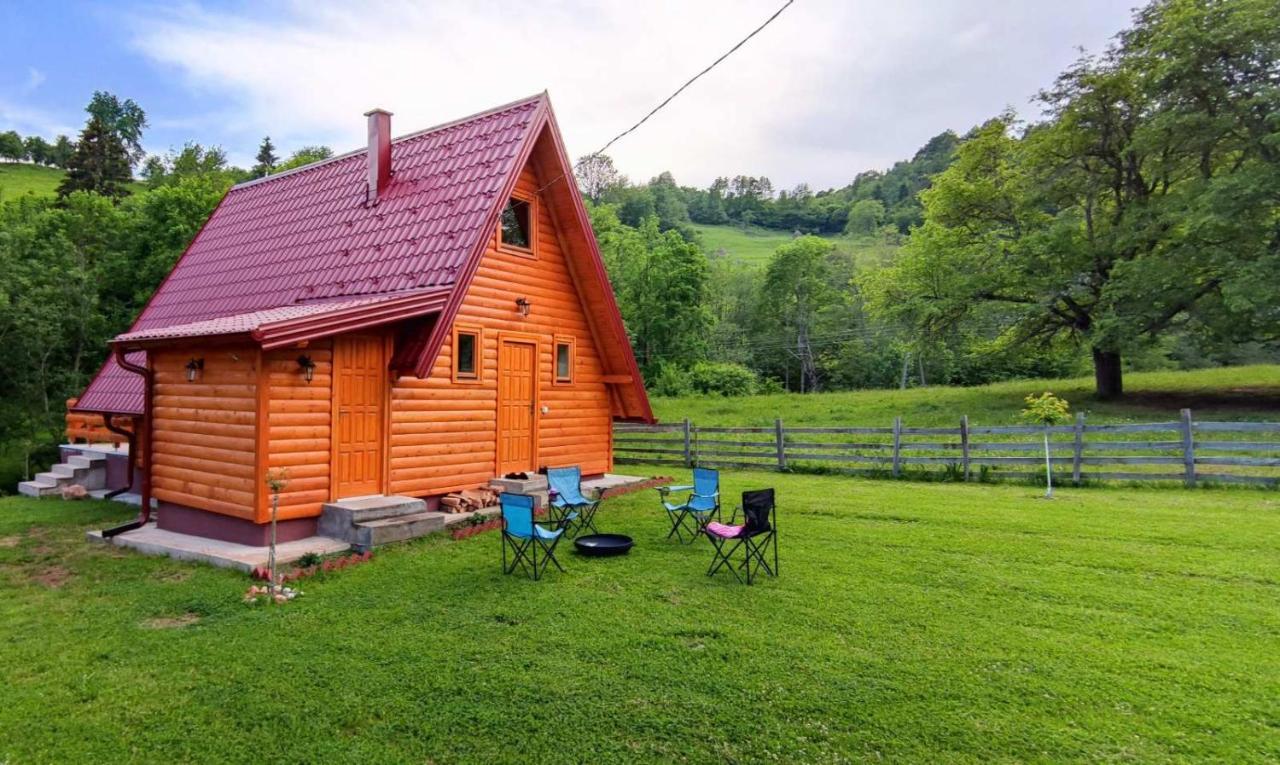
(754, 245)
(1240, 393)
(18, 179)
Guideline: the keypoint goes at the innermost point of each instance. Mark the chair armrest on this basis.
(669, 489)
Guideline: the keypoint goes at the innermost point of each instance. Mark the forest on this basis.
(1132, 224)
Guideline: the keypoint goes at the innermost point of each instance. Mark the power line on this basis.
(694, 79)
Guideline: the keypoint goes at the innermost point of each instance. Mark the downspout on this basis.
(132, 438)
(148, 378)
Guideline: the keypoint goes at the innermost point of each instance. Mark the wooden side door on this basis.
(359, 392)
(517, 405)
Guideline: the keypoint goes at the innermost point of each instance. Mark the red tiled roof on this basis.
(307, 235)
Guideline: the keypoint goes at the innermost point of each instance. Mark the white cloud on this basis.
(35, 78)
(831, 88)
(32, 121)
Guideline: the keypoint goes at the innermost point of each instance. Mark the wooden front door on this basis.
(517, 402)
(359, 389)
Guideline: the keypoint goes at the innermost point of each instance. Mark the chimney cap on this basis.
(376, 110)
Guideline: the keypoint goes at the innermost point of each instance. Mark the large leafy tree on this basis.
(1146, 202)
(12, 147)
(661, 282)
(797, 290)
(123, 119)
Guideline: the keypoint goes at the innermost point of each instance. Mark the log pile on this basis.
(468, 500)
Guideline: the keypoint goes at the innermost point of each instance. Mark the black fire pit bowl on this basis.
(600, 545)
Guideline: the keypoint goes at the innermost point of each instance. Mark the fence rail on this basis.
(1183, 450)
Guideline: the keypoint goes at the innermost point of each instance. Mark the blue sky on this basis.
(832, 88)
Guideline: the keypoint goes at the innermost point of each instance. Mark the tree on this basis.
(12, 147)
(266, 158)
(1146, 202)
(797, 287)
(661, 282)
(596, 176)
(123, 119)
(305, 156)
(865, 217)
(61, 151)
(37, 149)
(1046, 410)
(100, 164)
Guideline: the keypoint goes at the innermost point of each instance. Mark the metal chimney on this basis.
(379, 153)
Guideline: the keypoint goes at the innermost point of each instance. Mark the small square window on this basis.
(517, 224)
(465, 355)
(564, 361)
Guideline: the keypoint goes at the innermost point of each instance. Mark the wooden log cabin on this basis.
(414, 318)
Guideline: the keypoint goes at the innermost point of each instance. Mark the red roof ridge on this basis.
(407, 136)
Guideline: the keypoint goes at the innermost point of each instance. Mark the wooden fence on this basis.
(1184, 450)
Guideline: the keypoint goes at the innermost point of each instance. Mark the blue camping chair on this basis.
(525, 538)
(570, 509)
(700, 508)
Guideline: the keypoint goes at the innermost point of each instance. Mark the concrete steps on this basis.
(87, 470)
(367, 522)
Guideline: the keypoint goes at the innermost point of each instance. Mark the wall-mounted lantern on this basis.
(194, 368)
(308, 367)
(523, 306)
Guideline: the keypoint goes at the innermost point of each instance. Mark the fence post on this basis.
(1188, 450)
(688, 452)
(782, 449)
(1077, 452)
(964, 444)
(897, 447)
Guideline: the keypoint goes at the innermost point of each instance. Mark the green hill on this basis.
(755, 245)
(1234, 393)
(18, 179)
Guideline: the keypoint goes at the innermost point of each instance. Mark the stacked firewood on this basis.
(468, 500)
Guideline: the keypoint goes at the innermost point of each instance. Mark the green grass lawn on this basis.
(18, 179)
(912, 622)
(1233, 393)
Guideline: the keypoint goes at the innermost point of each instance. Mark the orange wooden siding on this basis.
(443, 434)
(206, 430)
(298, 436)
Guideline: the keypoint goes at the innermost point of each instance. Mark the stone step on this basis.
(65, 469)
(39, 488)
(87, 460)
(364, 509)
(395, 529)
(364, 522)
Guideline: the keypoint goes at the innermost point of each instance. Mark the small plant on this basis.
(952, 471)
(309, 559)
(1046, 410)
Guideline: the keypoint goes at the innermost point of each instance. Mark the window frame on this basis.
(469, 378)
(525, 252)
(558, 341)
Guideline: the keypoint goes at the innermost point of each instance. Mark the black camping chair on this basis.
(756, 538)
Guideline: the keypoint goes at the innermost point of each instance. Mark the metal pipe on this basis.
(131, 437)
(148, 378)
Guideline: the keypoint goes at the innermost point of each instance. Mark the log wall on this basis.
(443, 434)
(205, 430)
(297, 437)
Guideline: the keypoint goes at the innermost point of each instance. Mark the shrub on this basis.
(723, 378)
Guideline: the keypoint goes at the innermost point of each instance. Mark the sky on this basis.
(830, 89)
